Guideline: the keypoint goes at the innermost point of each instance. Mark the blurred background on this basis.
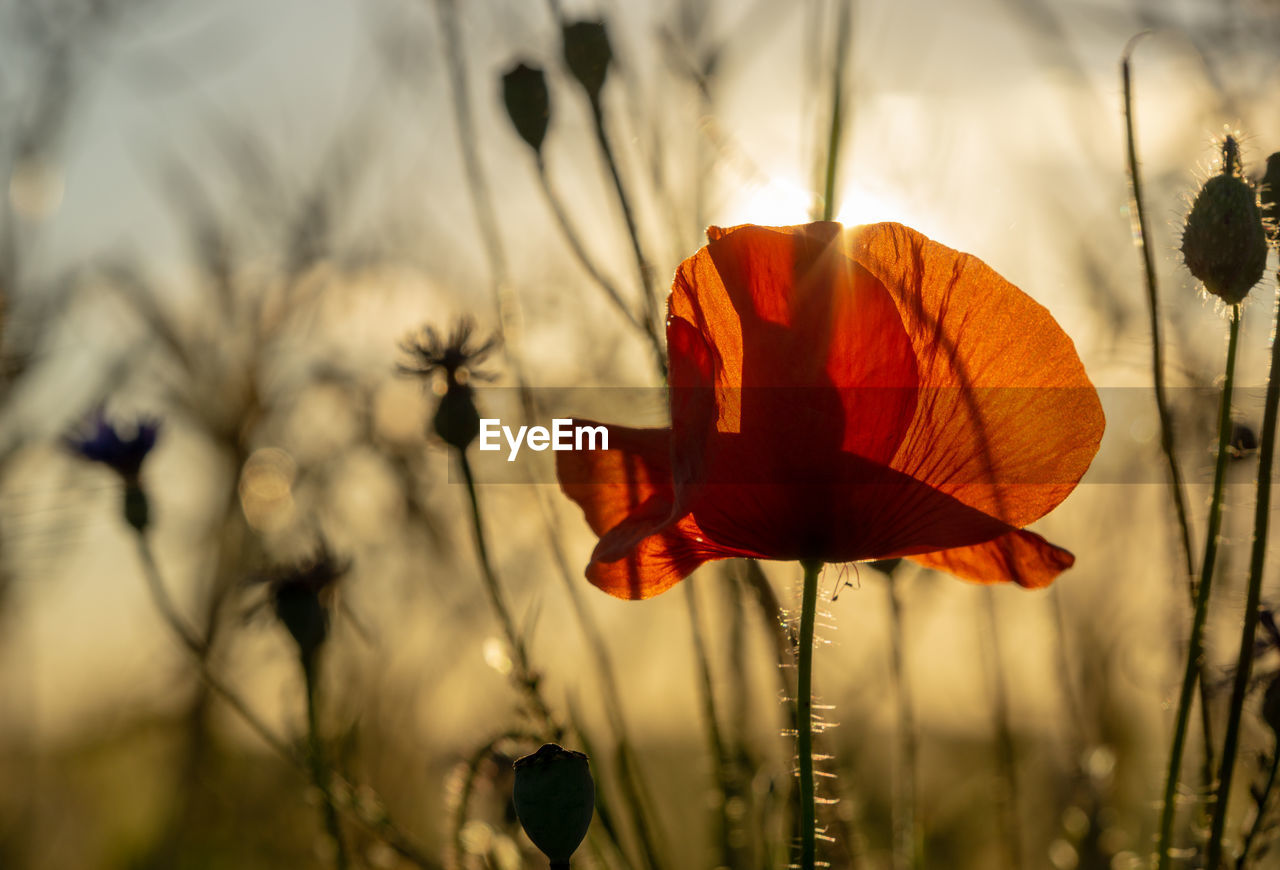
(229, 217)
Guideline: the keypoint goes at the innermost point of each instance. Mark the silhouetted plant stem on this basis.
(1167, 441)
(1263, 798)
(1167, 444)
(524, 676)
(906, 841)
(804, 714)
(652, 317)
(579, 250)
(719, 759)
(381, 827)
(320, 774)
(835, 129)
(1257, 559)
(1195, 646)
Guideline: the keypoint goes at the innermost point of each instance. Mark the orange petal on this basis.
(626, 495)
(1007, 420)
(1020, 557)
(808, 350)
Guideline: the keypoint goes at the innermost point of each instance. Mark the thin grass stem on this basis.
(1195, 646)
(320, 774)
(1168, 444)
(1257, 559)
(835, 129)
(719, 757)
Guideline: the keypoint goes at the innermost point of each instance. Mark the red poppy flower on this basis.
(843, 396)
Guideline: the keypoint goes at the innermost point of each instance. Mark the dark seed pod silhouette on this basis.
(1223, 243)
(588, 54)
(555, 797)
(524, 93)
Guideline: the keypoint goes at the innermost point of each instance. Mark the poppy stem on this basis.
(804, 714)
(906, 840)
(1195, 647)
(320, 774)
(1257, 557)
(836, 128)
(1167, 443)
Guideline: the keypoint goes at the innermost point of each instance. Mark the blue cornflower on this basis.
(121, 450)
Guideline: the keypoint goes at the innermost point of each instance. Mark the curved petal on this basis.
(1007, 420)
(1020, 557)
(787, 360)
(626, 495)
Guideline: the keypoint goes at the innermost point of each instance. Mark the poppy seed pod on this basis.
(555, 798)
(587, 54)
(1223, 243)
(524, 92)
(1270, 196)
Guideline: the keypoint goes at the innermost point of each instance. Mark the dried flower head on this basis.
(456, 419)
(123, 450)
(301, 595)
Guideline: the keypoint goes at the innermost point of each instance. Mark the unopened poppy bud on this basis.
(1223, 243)
(137, 512)
(587, 54)
(1270, 196)
(555, 798)
(457, 421)
(524, 91)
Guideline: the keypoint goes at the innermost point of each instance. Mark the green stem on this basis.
(1195, 647)
(1261, 817)
(804, 715)
(319, 768)
(1167, 444)
(1257, 557)
(651, 316)
(1157, 360)
(836, 128)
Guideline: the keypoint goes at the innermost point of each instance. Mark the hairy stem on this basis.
(1257, 558)
(1195, 647)
(804, 715)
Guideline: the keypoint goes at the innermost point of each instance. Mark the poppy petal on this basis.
(1008, 421)
(626, 495)
(1020, 557)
